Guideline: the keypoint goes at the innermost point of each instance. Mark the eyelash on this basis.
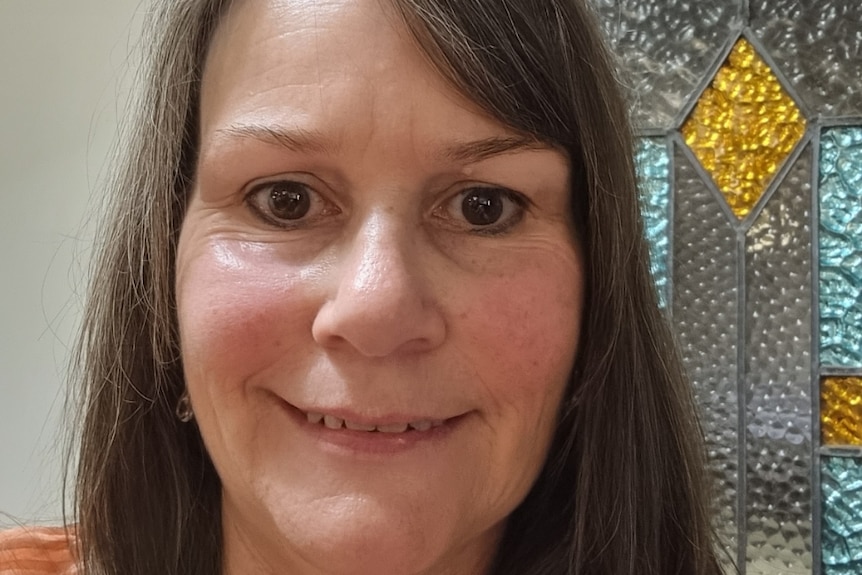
(511, 214)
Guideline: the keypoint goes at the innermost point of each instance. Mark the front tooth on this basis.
(436, 422)
(314, 417)
(357, 426)
(423, 425)
(393, 428)
(332, 422)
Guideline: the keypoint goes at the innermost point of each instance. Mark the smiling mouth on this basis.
(333, 422)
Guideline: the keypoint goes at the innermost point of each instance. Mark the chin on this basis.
(350, 535)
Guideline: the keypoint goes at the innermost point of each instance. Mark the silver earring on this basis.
(184, 408)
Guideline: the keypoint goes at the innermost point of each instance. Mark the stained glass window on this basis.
(842, 516)
(653, 164)
(841, 410)
(706, 321)
(815, 44)
(777, 377)
(666, 48)
(743, 127)
(841, 246)
(750, 161)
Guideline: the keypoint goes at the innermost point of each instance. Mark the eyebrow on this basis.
(478, 150)
(301, 140)
(293, 139)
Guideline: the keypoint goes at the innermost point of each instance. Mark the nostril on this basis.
(377, 329)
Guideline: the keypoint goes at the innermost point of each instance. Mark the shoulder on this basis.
(37, 551)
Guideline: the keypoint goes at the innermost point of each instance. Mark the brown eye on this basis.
(482, 206)
(484, 210)
(289, 204)
(289, 200)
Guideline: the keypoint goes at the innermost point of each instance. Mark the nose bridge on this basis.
(380, 301)
(377, 262)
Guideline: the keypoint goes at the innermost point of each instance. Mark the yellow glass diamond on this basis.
(743, 127)
(841, 410)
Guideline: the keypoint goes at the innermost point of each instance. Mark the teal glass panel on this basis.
(653, 165)
(841, 485)
(778, 378)
(841, 247)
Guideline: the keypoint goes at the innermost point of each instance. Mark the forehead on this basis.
(294, 45)
(345, 70)
(312, 27)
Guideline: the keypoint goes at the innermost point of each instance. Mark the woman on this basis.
(374, 299)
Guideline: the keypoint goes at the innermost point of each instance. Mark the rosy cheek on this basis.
(240, 311)
(526, 325)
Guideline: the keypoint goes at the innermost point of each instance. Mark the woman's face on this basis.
(379, 298)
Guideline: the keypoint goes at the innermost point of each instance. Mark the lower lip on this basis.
(376, 443)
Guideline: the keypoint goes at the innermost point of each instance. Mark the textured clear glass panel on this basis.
(666, 48)
(841, 484)
(778, 378)
(841, 246)
(743, 127)
(653, 164)
(704, 313)
(841, 410)
(817, 44)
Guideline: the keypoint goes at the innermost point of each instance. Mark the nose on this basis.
(381, 302)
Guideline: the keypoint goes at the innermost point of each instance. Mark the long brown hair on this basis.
(623, 489)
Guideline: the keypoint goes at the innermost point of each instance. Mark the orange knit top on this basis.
(37, 551)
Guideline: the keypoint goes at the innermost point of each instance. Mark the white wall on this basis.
(64, 71)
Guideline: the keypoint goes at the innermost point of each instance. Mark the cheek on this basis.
(528, 322)
(239, 312)
(522, 331)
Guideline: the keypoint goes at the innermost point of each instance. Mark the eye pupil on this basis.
(289, 200)
(482, 207)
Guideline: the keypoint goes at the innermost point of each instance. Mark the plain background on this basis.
(65, 73)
